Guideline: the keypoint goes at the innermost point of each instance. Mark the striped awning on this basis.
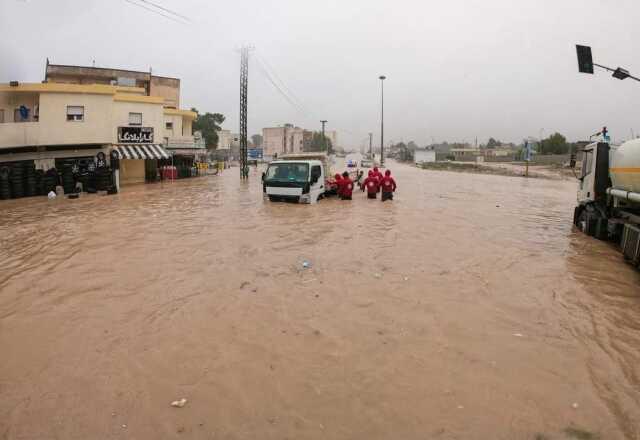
(141, 151)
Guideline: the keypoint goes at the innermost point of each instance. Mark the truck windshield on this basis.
(291, 172)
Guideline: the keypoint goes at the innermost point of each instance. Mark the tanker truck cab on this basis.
(300, 181)
(594, 175)
(609, 196)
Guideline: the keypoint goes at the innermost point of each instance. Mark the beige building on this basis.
(286, 139)
(80, 112)
(164, 87)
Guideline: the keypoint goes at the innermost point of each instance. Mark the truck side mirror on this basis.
(572, 161)
(263, 174)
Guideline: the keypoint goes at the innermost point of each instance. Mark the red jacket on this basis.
(371, 184)
(346, 187)
(388, 184)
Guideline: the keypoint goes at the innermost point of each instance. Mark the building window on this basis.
(168, 125)
(135, 118)
(1, 116)
(75, 113)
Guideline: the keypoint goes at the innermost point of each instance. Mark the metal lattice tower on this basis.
(244, 81)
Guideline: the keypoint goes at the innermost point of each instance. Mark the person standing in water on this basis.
(338, 181)
(388, 186)
(370, 184)
(347, 187)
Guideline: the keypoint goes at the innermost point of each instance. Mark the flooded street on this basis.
(467, 308)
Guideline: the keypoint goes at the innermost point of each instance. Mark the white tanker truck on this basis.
(609, 195)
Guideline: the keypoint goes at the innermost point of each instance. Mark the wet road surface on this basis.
(467, 308)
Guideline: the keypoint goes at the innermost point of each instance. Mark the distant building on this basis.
(469, 154)
(286, 139)
(424, 155)
(332, 135)
(160, 86)
(224, 140)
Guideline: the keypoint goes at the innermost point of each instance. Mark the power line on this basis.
(165, 9)
(293, 100)
(279, 89)
(268, 66)
(156, 12)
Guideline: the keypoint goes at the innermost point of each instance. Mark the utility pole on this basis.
(370, 145)
(244, 82)
(382, 78)
(324, 139)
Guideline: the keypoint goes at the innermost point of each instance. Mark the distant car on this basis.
(366, 163)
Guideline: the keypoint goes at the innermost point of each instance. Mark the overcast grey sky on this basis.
(456, 69)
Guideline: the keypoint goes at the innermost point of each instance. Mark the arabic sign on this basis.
(135, 135)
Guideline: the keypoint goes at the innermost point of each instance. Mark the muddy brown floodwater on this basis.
(467, 308)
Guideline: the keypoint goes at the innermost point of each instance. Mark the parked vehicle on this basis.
(299, 178)
(609, 195)
(367, 163)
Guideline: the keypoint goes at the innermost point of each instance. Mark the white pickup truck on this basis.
(300, 178)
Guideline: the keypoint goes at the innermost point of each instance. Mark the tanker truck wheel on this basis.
(591, 221)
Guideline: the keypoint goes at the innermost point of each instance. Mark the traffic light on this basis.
(585, 60)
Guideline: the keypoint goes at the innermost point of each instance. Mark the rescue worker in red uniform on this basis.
(371, 185)
(388, 186)
(347, 187)
(378, 175)
(338, 181)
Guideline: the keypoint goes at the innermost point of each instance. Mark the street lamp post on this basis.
(324, 139)
(382, 78)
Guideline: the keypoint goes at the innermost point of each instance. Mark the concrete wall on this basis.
(152, 116)
(131, 171)
(168, 88)
(165, 87)
(499, 158)
(177, 126)
(550, 159)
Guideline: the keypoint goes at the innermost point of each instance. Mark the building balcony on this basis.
(19, 134)
(34, 134)
(184, 143)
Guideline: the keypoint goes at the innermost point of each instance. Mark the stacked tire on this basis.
(5, 188)
(16, 178)
(83, 178)
(68, 181)
(29, 172)
(40, 183)
(103, 179)
(50, 180)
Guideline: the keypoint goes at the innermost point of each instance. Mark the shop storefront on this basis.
(139, 159)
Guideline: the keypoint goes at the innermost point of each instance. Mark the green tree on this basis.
(209, 125)
(554, 144)
(318, 144)
(256, 140)
(492, 143)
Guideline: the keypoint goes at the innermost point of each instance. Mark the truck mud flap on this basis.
(630, 244)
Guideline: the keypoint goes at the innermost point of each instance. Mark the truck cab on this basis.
(294, 180)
